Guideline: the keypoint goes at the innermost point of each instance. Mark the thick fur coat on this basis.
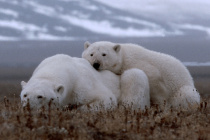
(169, 79)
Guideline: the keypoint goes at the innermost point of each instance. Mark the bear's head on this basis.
(40, 93)
(103, 56)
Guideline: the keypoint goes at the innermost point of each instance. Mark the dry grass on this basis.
(121, 123)
(17, 123)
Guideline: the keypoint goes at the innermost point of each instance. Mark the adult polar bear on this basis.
(169, 79)
(65, 80)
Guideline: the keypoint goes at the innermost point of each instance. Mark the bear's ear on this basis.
(59, 89)
(86, 45)
(117, 48)
(23, 84)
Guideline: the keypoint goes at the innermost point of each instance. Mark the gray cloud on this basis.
(178, 15)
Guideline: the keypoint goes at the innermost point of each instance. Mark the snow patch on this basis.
(172, 10)
(13, 2)
(44, 36)
(105, 27)
(60, 28)
(138, 21)
(196, 63)
(80, 14)
(41, 9)
(88, 6)
(21, 26)
(9, 12)
(31, 32)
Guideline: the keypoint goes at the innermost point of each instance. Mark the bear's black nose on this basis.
(96, 65)
(39, 97)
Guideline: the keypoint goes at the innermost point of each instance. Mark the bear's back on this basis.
(157, 66)
(58, 68)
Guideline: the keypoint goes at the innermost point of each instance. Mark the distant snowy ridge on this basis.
(71, 20)
(9, 12)
(196, 64)
(79, 19)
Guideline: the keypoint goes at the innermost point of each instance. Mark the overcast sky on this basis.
(157, 18)
(173, 10)
(163, 20)
(178, 14)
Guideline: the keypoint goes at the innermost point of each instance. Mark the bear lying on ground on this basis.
(169, 79)
(64, 80)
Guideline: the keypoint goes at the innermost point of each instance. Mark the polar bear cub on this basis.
(169, 79)
(65, 80)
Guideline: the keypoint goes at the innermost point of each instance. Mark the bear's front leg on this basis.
(135, 89)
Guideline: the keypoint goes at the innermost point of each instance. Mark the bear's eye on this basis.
(103, 54)
(91, 54)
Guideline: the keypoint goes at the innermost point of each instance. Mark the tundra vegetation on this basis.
(121, 123)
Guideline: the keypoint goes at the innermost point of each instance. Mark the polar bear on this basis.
(169, 80)
(65, 80)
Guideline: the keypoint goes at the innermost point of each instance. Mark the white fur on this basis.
(66, 80)
(169, 79)
(135, 89)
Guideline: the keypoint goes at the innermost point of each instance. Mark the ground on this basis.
(155, 123)
(121, 123)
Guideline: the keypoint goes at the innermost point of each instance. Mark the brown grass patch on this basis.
(121, 123)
